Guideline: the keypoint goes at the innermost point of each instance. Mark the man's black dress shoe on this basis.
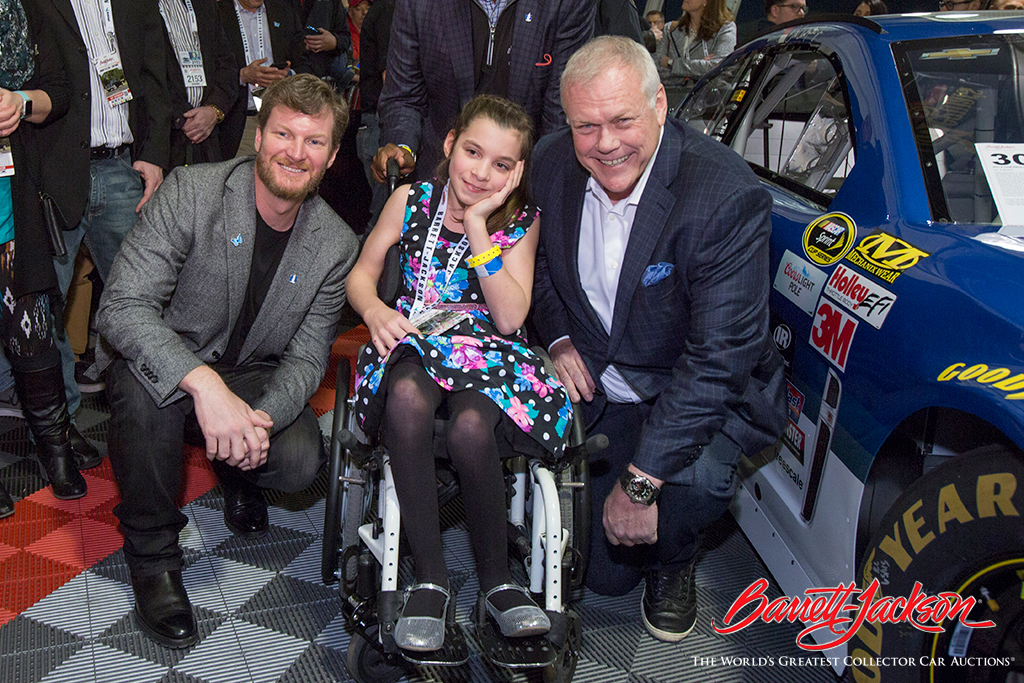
(163, 610)
(245, 510)
(669, 605)
(86, 455)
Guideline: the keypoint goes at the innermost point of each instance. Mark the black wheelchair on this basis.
(548, 535)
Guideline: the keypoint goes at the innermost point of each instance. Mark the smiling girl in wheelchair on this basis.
(467, 241)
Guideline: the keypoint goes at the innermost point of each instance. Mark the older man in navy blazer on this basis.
(651, 291)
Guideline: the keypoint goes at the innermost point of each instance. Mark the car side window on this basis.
(799, 126)
(712, 108)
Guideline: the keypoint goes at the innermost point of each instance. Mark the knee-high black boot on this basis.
(6, 503)
(46, 409)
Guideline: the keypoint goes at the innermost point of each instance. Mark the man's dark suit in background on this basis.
(329, 15)
(374, 40)
(220, 92)
(618, 18)
(438, 60)
(670, 349)
(286, 44)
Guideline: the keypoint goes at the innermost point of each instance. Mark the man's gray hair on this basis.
(606, 52)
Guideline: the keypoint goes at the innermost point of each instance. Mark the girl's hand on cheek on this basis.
(485, 207)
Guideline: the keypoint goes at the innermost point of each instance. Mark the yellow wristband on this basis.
(474, 261)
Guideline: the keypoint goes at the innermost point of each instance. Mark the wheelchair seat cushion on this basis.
(473, 355)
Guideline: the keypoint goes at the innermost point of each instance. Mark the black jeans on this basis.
(684, 511)
(146, 443)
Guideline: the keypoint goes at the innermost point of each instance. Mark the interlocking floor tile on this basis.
(317, 664)
(30, 666)
(126, 636)
(297, 520)
(223, 585)
(85, 606)
(336, 635)
(205, 529)
(195, 481)
(26, 578)
(99, 491)
(238, 650)
(98, 662)
(294, 607)
(30, 522)
(80, 543)
(306, 565)
(273, 552)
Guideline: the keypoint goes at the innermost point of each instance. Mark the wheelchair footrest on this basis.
(514, 653)
(454, 652)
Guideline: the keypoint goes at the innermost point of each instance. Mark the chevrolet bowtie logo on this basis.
(961, 53)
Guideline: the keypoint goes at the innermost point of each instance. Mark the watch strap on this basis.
(26, 103)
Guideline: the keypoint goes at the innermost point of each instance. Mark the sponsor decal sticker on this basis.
(794, 440)
(869, 301)
(799, 281)
(828, 238)
(832, 332)
(782, 335)
(1000, 379)
(795, 400)
(885, 256)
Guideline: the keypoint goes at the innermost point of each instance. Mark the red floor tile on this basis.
(195, 482)
(100, 491)
(105, 512)
(6, 615)
(6, 551)
(25, 579)
(81, 543)
(30, 522)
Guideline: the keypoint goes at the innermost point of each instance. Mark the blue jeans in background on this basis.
(115, 189)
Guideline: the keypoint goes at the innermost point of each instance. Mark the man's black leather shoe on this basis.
(669, 605)
(86, 455)
(6, 503)
(163, 610)
(245, 510)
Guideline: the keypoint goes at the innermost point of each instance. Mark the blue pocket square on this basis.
(656, 273)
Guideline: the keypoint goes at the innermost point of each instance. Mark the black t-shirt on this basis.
(267, 249)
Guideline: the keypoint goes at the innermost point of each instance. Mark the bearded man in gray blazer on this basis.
(651, 290)
(222, 306)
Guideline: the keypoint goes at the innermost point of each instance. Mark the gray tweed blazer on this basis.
(179, 281)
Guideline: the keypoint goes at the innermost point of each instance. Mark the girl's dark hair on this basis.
(511, 116)
(876, 7)
(715, 16)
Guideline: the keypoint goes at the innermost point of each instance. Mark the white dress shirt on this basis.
(604, 234)
(108, 126)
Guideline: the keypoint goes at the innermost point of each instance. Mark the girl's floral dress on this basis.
(473, 355)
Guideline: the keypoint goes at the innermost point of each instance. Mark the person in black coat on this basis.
(198, 112)
(332, 37)
(32, 91)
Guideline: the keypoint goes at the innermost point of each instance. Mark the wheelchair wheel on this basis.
(330, 551)
(564, 667)
(356, 501)
(574, 502)
(367, 664)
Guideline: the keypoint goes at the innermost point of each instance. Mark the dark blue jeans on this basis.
(145, 444)
(684, 511)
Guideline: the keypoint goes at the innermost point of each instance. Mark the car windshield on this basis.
(963, 93)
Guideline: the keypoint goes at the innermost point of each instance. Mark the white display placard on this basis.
(1004, 169)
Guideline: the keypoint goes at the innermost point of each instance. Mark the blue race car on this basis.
(894, 151)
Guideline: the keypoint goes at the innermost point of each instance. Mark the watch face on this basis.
(640, 489)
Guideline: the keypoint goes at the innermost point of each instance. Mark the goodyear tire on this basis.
(958, 528)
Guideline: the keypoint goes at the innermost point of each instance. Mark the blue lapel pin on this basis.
(277, 24)
(292, 279)
(529, 16)
(237, 241)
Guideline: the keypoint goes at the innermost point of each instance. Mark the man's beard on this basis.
(265, 171)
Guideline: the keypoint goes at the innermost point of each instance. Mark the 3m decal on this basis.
(832, 333)
(795, 399)
(885, 256)
(869, 301)
(793, 438)
(1000, 379)
(799, 281)
(828, 238)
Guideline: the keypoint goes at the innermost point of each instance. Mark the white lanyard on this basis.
(427, 256)
(193, 27)
(107, 15)
(249, 58)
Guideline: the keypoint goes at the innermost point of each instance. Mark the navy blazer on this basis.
(696, 339)
(430, 73)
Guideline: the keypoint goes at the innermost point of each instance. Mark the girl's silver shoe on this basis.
(419, 633)
(521, 621)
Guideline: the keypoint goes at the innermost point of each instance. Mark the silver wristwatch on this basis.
(639, 488)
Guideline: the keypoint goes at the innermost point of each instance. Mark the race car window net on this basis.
(787, 115)
(961, 91)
